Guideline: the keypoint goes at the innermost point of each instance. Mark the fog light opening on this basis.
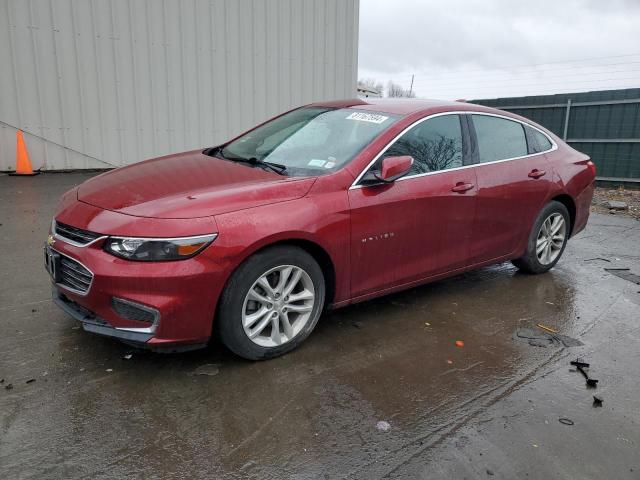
(134, 311)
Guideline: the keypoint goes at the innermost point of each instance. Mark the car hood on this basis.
(189, 185)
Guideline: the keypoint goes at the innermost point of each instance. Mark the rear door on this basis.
(416, 226)
(513, 184)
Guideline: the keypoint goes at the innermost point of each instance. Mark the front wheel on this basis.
(547, 240)
(271, 303)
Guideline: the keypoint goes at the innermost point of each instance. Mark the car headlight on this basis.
(157, 249)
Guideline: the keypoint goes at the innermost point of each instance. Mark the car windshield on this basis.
(311, 140)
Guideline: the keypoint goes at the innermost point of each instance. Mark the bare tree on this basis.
(395, 90)
(368, 87)
(371, 84)
(429, 155)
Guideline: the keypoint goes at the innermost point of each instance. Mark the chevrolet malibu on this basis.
(321, 207)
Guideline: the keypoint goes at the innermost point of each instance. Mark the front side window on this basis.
(435, 144)
(499, 138)
(311, 140)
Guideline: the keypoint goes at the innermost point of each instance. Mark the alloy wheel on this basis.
(278, 306)
(551, 238)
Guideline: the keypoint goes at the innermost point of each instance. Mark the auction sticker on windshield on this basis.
(367, 117)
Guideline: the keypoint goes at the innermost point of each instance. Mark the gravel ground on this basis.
(630, 197)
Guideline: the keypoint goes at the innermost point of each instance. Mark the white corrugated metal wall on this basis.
(99, 83)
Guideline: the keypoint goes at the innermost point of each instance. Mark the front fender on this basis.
(322, 220)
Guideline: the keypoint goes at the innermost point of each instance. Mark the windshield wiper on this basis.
(274, 167)
(215, 151)
(218, 152)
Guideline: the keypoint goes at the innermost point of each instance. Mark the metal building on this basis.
(605, 125)
(100, 83)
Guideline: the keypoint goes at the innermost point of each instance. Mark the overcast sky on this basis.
(500, 48)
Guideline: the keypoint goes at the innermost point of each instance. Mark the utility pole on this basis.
(411, 88)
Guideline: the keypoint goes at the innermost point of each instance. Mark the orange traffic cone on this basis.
(23, 164)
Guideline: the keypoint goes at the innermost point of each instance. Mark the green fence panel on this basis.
(609, 132)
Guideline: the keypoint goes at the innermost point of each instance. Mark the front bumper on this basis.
(181, 297)
(94, 324)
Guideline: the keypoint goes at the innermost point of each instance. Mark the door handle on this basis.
(462, 187)
(535, 173)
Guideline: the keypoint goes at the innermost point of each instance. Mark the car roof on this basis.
(406, 106)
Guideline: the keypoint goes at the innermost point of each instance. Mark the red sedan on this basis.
(321, 207)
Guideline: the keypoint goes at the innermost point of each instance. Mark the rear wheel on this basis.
(271, 303)
(547, 240)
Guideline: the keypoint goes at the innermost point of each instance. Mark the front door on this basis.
(419, 225)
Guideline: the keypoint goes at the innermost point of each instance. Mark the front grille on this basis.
(74, 234)
(74, 275)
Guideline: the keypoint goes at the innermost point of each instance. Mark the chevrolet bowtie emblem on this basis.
(50, 240)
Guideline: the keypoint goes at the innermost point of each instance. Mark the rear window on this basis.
(538, 141)
(499, 138)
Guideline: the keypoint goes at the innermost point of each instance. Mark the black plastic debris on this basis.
(581, 367)
(591, 382)
(597, 401)
(538, 338)
(565, 421)
(579, 363)
(597, 258)
(8, 386)
(31, 380)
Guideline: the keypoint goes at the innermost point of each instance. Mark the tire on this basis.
(241, 313)
(535, 261)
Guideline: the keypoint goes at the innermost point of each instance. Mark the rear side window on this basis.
(435, 144)
(498, 138)
(538, 142)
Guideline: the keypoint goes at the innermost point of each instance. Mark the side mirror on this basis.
(392, 169)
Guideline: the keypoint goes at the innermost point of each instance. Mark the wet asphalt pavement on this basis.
(488, 409)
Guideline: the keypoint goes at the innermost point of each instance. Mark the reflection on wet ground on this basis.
(312, 413)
